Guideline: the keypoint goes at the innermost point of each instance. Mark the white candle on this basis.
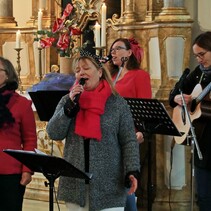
(103, 23)
(38, 44)
(39, 25)
(18, 39)
(97, 34)
(42, 4)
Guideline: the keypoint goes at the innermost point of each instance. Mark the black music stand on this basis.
(151, 117)
(52, 167)
(45, 102)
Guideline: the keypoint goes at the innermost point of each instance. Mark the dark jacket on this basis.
(202, 124)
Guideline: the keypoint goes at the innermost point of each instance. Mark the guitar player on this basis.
(199, 77)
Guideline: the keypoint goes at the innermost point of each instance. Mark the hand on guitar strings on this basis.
(179, 101)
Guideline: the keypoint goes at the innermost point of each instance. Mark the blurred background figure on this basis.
(17, 131)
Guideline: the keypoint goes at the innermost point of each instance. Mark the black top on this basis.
(202, 125)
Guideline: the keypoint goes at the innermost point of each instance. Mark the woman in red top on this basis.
(130, 81)
(17, 131)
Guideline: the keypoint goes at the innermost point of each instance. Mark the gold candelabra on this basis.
(18, 69)
(40, 63)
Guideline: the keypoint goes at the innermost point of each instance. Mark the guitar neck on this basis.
(203, 93)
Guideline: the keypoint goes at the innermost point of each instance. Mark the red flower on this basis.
(62, 33)
(63, 42)
(67, 11)
(46, 42)
(75, 31)
(58, 25)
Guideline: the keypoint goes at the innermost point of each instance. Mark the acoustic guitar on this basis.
(179, 116)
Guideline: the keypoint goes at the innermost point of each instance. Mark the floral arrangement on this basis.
(63, 34)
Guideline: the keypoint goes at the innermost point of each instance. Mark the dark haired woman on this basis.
(130, 81)
(200, 76)
(17, 131)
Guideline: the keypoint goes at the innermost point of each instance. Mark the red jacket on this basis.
(134, 84)
(21, 135)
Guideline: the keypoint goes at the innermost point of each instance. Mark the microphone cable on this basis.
(170, 172)
(123, 60)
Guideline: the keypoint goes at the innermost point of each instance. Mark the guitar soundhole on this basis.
(193, 105)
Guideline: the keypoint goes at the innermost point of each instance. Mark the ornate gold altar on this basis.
(162, 29)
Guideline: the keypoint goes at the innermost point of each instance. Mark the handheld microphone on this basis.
(81, 82)
(106, 59)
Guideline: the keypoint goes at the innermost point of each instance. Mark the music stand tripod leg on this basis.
(149, 182)
(51, 180)
(192, 174)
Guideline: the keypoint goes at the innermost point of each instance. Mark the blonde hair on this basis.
(105, 72)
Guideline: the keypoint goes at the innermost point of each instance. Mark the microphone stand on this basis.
(123, 59)
(194, 143)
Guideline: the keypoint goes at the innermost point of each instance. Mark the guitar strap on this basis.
(202, 75)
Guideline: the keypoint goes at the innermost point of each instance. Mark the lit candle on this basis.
(103, 23)
(97, 34)
(38, 42)
(18, 39)
(39, 25)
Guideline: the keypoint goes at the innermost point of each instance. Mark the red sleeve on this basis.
(143, 85)
(28, 130)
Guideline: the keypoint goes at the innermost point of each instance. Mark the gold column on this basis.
(173, 10)
(128, 11)
(153, 9)
(6, 14)
(173, 3)
(49, 13)
(176, 22)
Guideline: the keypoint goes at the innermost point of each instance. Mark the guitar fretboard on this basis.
(203, 93)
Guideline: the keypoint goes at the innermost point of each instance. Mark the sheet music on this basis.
(151, 116)
(39, 152)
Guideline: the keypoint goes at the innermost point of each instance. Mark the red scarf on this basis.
(92, 106)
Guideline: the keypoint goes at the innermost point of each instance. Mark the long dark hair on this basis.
(12, 81)
(6, 118)
(132, 62)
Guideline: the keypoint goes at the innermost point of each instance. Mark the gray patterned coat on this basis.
(109, 160)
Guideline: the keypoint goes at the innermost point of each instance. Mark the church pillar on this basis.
(173, 3)
(174, 10)
(128, 11)
(153, 9)
(50, 10)
(174, 44)
(174, 38)
(6, 14)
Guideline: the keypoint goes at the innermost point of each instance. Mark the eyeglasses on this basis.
(117, 48)
(200, 55)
